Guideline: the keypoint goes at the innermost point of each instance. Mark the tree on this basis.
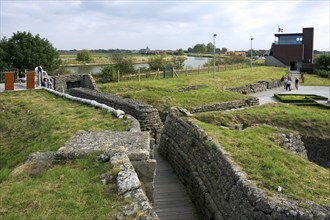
(4, 61)
(210, 47)
(179, 52)
(200, 48)
(123, 63)
(25, 51)
(190, 50)
(84, 55)
(323, 61)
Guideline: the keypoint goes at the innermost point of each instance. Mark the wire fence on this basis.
(167, 73)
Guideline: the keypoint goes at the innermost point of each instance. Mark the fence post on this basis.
(118, 75)
(208, 68)
(186, 71)
(198, 69)
(139, 75)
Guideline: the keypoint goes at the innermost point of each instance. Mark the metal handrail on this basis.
(50, 80)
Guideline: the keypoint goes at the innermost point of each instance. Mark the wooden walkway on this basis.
(171, 201)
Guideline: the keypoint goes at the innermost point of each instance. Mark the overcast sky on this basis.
(164, 24)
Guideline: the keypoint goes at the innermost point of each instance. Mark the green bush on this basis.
(84, 55)
(157, 62)
(307, 70)
(323, 61)
(322, 73)
(109, 74)
(124, 64)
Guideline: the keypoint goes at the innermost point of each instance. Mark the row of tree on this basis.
(208, 48)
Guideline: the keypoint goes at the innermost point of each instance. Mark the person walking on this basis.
(38, 72)
(288, 85)
(296, 82)
(285, 82)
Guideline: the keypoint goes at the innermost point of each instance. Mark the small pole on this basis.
(214, 35)
(251, 55)
(139, 75)
(118, 75)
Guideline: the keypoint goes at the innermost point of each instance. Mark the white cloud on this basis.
(163, 24)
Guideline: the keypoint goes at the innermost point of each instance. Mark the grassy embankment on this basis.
(255, 150)
(32, 121)
(103, 58)
(164, 93)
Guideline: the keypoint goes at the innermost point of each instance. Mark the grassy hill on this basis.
(255, 150)
(32, 121)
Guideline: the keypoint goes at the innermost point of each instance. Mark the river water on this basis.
(190, 62)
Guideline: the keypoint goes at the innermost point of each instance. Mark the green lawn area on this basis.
(255, 150)
(32, 121)
(308, 120)
(163, 93)
(314, 80)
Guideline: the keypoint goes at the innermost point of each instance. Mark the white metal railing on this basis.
(49, 83)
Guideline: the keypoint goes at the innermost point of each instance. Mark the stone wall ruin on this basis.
(217, 186)
(63, 83)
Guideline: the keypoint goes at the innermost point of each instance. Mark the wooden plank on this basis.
(170, 198)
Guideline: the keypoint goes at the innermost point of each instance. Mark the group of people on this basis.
(287, 82)
(41, 79)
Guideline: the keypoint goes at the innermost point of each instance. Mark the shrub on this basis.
(307, 70)
(108, 74)
(156, 62)
(322, 73)
(323, 61)
(84, 55)
(124, 64)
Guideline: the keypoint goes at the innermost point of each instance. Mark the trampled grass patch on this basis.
(271, 166)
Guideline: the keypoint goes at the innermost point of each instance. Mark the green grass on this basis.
(269, 165)
(68, 191)
(164, 93)
(299, 98)
(104, 58)
(314, 80)
(308, 120)
(32, 121)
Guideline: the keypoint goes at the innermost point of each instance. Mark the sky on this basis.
(164, 24)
